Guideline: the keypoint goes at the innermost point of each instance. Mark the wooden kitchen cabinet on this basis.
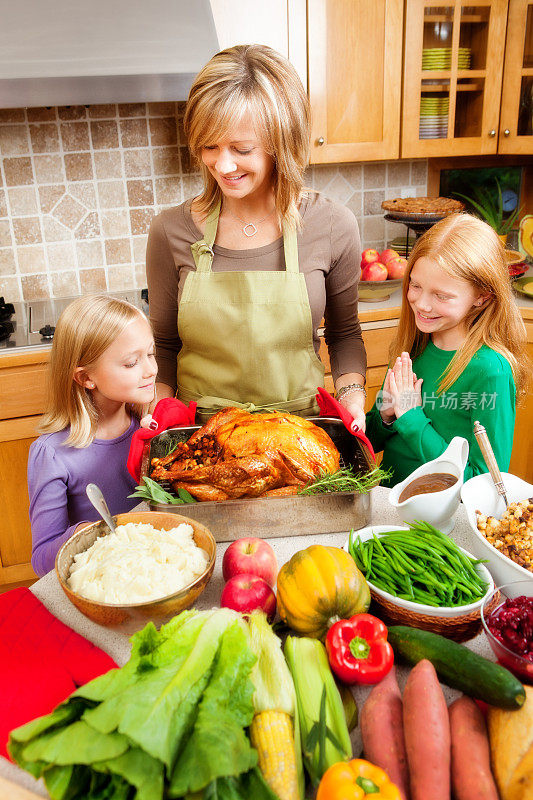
(354, 78)
(516, 117)
(522, 458)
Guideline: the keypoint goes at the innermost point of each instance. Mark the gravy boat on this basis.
(437, 508)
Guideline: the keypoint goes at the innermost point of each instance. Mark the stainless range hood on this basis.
(75, 52)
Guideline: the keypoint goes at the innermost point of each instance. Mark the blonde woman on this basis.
(241, 276)
(102, 373)
(459, 354)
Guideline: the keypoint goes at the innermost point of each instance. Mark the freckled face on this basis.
(239, 163)
(440, 303)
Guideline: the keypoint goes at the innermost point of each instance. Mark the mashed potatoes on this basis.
(136, 564)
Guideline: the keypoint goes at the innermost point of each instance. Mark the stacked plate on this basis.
(441, 58)
(398, 244)
(434, 117)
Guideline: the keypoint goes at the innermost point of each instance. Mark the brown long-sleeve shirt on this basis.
(329, 253)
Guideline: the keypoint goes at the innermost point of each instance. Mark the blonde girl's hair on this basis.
(467, 248)
(252, 78)
(83, 332)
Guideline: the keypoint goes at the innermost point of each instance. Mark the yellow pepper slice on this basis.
(355, 780)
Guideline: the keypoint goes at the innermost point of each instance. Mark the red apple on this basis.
(247, 592)
(386, 256)
(253, 556)
(368, 256)
(374, 272)
(396, 267)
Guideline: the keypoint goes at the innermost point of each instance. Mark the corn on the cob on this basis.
(272, 735)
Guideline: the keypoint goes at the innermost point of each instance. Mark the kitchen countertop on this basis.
(49, 591)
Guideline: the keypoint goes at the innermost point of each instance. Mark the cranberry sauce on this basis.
(512, 624)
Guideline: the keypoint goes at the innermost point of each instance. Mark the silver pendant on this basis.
(253, 231)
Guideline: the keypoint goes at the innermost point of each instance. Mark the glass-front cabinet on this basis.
(453, 67)
(516, 119)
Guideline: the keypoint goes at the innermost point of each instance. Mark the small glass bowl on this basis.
(517, 664)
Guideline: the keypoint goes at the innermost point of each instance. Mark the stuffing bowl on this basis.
(131, 617)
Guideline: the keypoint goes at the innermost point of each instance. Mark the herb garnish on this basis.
(345, 480)
(154, 493)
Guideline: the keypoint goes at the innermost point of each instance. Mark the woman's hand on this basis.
(384, 401)
(355, 404)
(405, 388)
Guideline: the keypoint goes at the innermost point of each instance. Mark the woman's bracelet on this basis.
(350, 389)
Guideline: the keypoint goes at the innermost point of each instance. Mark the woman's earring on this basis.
(90, 385)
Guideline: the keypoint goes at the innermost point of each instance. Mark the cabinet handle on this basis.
(507, 132)
(320, 141)
(492, 133)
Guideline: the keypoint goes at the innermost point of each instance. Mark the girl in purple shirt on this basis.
(102, 374)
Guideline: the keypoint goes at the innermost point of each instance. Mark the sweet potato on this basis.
(427, 734)
(471, 772)
(382, 731)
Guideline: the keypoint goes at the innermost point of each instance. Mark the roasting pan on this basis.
(274, 517)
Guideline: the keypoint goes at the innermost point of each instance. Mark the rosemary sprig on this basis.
(345, 480)
(155, 493)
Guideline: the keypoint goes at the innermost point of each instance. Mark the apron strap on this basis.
(290, 247)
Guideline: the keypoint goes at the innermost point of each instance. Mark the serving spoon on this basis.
(94, 493)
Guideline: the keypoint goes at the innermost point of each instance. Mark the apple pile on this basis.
(381, 266)
(250, 569)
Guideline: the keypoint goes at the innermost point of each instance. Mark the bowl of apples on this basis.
(381, 274)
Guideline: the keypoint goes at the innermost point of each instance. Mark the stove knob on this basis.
(47, 332)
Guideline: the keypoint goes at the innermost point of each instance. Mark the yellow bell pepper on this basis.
(355, 780)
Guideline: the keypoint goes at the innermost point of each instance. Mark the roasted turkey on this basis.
(238, 454)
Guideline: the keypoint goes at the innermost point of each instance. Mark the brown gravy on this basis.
(434, 482)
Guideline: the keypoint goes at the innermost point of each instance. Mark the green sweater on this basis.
(485, 391)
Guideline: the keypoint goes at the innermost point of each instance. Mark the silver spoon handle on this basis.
(94, 493)
(490, 459)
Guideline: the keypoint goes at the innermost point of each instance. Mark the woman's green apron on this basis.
(247, 337)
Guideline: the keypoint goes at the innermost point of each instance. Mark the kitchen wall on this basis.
(79, 186)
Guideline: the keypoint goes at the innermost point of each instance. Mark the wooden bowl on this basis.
(132, 616)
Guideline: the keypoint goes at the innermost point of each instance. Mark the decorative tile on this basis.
(35, 287)
(120, 278)
(182, 139)
(27, 230)
(65, 284)
(75, 136)
(18, 171)
(108, 164)
(111, 194)
(139, 249)
(117, 251)
(7, 263)
(12, 115)
(14, 140)
(140, 276)
(3, 204)
(69, 212)
(48, 169)
(419, 172)
(168, 190)
(49, 196)
(104, 134)
(140, 193)
(92, 280)
(22, 201)
(372, 202)
(398, 173)
(374, 228)
(167, 161)
(374, 176)
(140, 220)
(137, 163)
(162, 109)
(115, 223)
(44, 137)
(353, 173)
(61, 255)
(89, 227)
(338, 189)
(192, 185)
(85, 193)
(132, 110)
(90, 254)
(72, 112)
(10, 287)
(420, 191)
(78, 166)
(355, 203)
(163, 131)
(31, 259)
(102, 111)
(40, 114)
(187, 165)
(5, 233)
(54, 231)
(133, 132)
(322, 175)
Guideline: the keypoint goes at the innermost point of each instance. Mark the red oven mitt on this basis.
(330, 407)
(42, 661)
(168, 413)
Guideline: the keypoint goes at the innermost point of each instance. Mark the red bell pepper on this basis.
(358, 649)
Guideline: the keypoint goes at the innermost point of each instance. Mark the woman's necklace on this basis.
(249, 229)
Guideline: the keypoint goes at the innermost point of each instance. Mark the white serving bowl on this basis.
(479, 494)
(420, 608)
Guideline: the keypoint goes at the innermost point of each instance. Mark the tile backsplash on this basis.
(80, 185)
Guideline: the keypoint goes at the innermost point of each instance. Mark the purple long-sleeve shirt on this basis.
(57, 477)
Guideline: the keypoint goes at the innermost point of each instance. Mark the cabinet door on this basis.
(516, 120)
(354, 74)
(453, 66)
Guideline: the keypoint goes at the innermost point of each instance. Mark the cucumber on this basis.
(459, 667)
